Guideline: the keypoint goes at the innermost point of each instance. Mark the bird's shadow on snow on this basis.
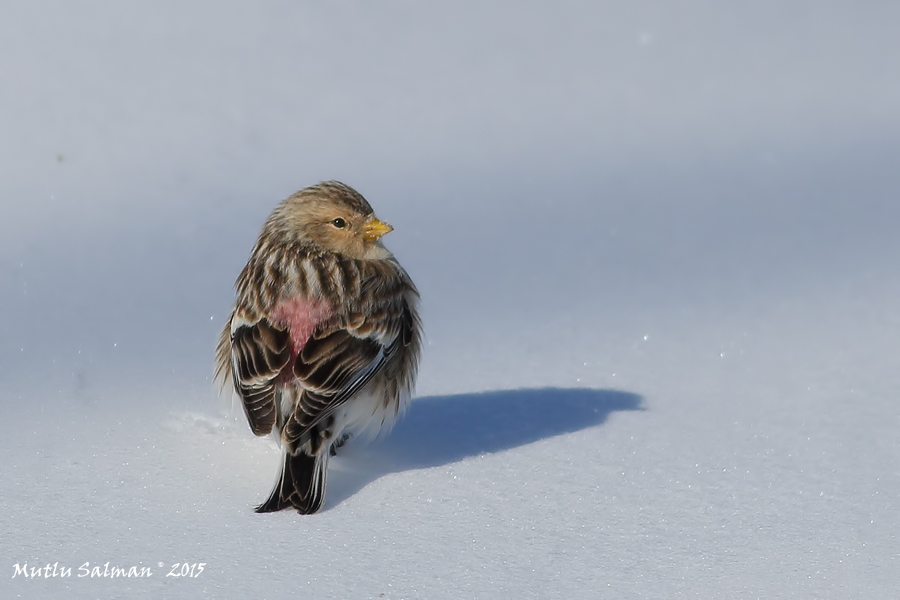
(440, 430)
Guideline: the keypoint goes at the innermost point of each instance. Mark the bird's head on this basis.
(337, 218)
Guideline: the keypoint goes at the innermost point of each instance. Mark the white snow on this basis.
(657, 247)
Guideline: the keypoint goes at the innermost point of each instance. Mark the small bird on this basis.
(325, 337)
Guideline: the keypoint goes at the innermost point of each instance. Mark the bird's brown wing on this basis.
(259, 352)
(332, 367)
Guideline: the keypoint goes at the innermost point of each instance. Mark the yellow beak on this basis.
(376, 228)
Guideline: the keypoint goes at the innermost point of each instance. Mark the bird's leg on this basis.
(338, 443)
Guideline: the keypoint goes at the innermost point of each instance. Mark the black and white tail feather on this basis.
(300, 484)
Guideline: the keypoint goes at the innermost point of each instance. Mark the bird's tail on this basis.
(301, 484)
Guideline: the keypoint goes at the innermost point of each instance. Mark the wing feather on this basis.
(259, 352)
(332, 368)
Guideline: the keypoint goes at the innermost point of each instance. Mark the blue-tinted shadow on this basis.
(440, 430)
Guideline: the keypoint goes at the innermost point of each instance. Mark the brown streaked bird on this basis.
(325, 336)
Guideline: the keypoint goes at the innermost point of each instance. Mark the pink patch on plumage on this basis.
(301, 316)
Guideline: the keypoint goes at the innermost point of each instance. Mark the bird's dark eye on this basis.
(339, 223)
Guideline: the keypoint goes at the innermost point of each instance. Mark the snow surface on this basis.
(657, 246)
